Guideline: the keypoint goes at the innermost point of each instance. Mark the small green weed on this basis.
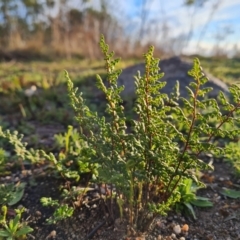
(20, 147)
(233, 156)
(73, 196)
(73, 159)
(62, 211)
(14, 229)
(3, 160)
(187, 190)
(11, 194)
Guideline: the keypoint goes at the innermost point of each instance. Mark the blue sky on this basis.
(216, 17)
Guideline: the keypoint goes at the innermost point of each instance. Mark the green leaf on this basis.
(231, 193)
(17, 196)
(23, 231)
(201, 202)
(16, 223)
(4, 233)
(190, 208)
(49, 202)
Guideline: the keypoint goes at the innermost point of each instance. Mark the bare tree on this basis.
(213, 11)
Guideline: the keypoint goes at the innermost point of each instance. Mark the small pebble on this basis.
(182, 238)
(95, 195)
(173, 236)
(103, 190)
(218, 198)
(16, 179)
(185, 228)
(209, 155)
(20, 207)
(38, 213)
(52, 234)
(177, 229)
(159, 237)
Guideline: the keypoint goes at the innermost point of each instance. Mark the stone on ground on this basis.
(174, 69)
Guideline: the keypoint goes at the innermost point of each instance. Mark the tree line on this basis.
(53, 27)
(60, 29)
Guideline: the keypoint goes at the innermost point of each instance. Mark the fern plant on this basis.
(14, 229)
(148, 165)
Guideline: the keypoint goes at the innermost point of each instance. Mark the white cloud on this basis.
(179, 19)
(206, 21)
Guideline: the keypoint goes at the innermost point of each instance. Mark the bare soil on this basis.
(220, 222)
